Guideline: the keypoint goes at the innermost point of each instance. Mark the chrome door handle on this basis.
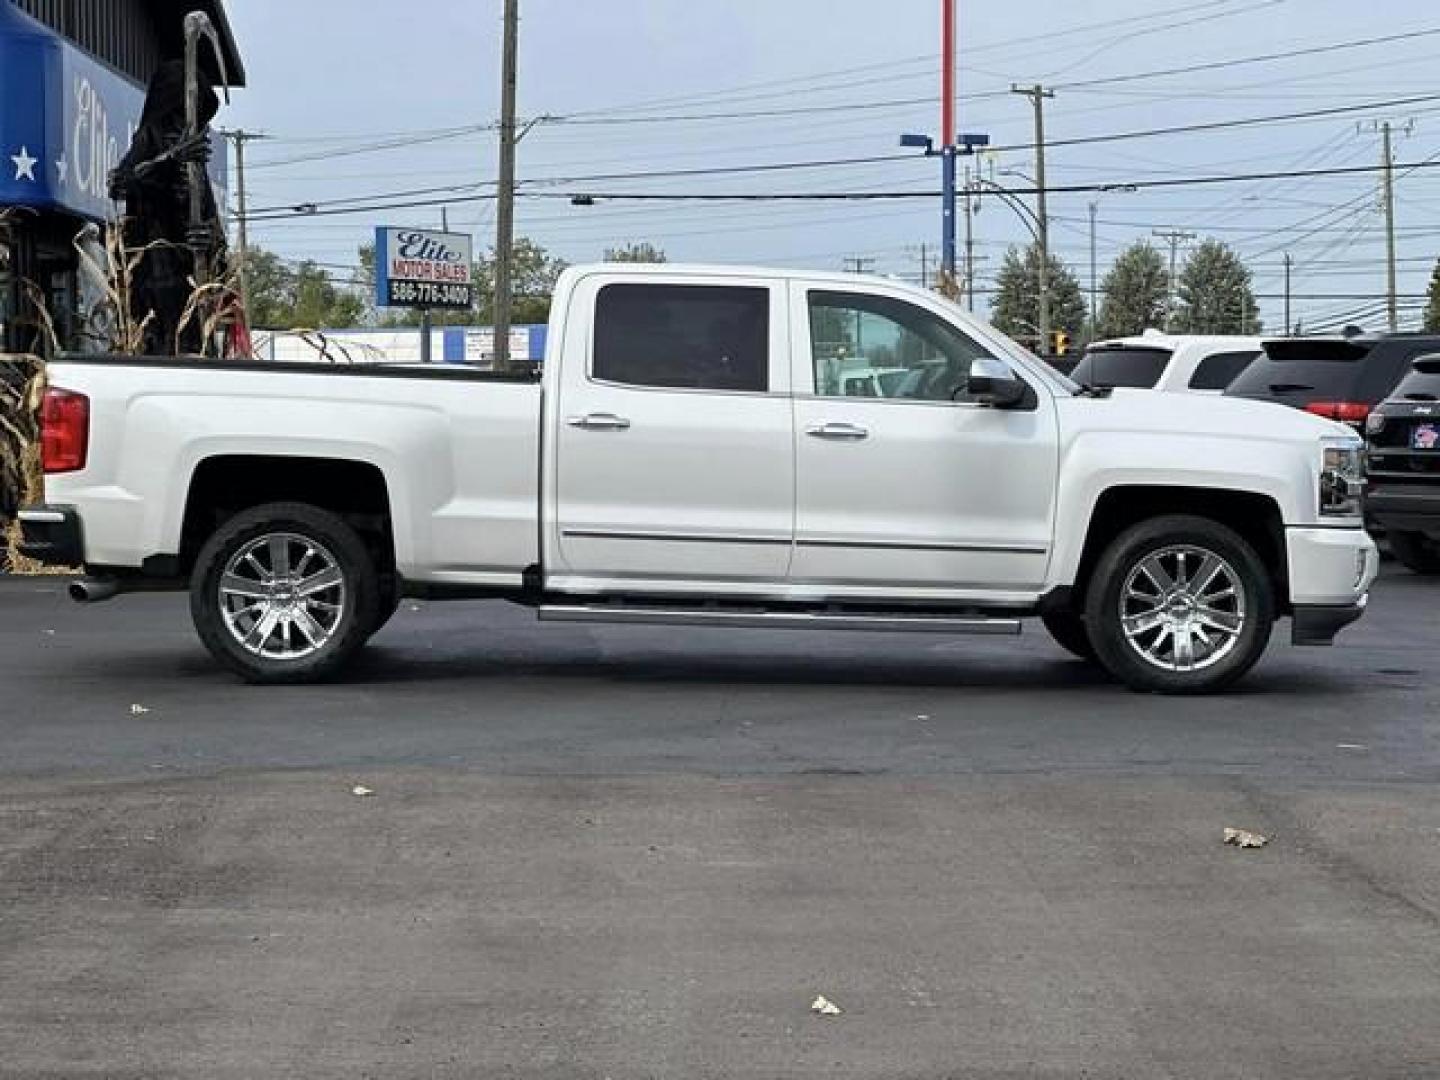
(837, 431)
(599, 422)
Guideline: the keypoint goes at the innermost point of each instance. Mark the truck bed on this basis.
(455, 449)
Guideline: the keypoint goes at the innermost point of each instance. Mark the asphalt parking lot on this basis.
(625, 852)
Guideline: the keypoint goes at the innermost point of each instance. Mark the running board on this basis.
(777, 620)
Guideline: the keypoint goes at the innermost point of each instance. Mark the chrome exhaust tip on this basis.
(93, 590)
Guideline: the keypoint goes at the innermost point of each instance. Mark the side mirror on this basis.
(992, 383)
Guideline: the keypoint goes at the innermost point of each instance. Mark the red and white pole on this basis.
(947, 76)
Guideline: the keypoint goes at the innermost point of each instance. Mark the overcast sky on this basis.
(637, 86)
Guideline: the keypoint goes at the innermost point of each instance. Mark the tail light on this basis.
(64, 431)
(1354, 413)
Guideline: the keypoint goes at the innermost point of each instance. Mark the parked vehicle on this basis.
(1173, 362)
(677, 465)
(1403, 436)
(1340, 378)
(872, 382)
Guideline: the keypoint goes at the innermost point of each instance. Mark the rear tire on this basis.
(1070, 633)
(1180, 605)
(284, 593)
(1416, 551)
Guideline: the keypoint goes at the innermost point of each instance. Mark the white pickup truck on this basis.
(690, 456)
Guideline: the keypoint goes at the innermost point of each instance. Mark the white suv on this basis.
(1180, 363)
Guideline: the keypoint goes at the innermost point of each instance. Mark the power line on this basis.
(1263, 58)
(876, 159)
(600, 117)
(834, 196)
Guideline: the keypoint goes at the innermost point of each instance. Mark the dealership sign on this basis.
(415, 268)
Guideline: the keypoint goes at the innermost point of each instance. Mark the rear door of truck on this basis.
(673, 438)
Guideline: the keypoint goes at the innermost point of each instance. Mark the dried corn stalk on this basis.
(22, 385)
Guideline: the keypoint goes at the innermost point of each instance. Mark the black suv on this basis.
(1340, 378)
(1403, 463)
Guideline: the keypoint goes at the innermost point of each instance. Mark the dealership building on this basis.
(72, 87)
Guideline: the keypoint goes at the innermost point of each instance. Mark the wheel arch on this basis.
(224, 485)
(1255, 516)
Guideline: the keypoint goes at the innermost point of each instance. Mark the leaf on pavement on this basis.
(1243, 838)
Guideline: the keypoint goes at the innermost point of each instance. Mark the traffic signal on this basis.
(1060, 343)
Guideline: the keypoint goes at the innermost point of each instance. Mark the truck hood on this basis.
(1153, 411)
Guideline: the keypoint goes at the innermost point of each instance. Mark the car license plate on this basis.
(1425, 437)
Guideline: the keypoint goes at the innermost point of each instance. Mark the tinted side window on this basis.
(1219, 371)
(1135, 367)
(696, 337)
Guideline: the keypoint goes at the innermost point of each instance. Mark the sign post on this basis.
(424, 270)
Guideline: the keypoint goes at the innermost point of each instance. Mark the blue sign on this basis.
(418, 268)
(66, 120)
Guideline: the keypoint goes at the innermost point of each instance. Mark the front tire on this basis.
(1180, 605)
(1416, 551)
(284, 593)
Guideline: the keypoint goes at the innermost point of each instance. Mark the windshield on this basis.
(1298, 371)
(1122, 365)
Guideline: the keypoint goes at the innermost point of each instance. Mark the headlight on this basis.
(1375, 423)
(1342, 479)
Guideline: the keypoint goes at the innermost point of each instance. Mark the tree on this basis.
(1135, 292)
(1432, 309)
(286, 296)
(636, 253)
(1016, 309)
(1214, 294)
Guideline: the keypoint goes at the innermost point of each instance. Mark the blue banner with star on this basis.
(66, 120)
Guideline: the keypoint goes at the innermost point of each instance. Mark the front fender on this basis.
(1095, 463)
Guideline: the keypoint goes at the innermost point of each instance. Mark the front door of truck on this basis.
(900, 482)
(674, 440)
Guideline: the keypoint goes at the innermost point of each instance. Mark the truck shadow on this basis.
(382, 665)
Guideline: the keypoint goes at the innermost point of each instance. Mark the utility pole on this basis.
(242, 225)
(969, 243)
(924, 266)
(1289, 264)
(1094, 288)
(505, 194)
(1173, 237)
(1392, 310)
(857, 265)
(1037, 95)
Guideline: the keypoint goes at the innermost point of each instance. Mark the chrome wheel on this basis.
(282, 596)
(1182, 608)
